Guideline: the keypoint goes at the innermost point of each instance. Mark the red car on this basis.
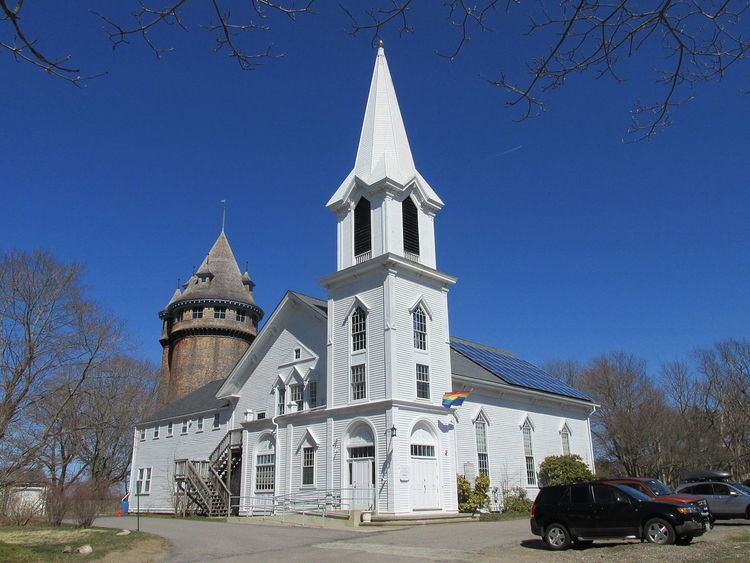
(659, 491)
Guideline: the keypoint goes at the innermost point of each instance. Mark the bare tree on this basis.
(681, 43)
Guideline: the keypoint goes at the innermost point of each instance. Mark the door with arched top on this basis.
(360, 469)
(425, 482)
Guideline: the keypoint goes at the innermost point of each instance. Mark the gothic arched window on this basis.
(362, 232)
(359, 329)
(419, 319)
(410, 219)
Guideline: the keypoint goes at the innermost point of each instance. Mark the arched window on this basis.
(565, 437)
(528, 450)
(410, 219)
(359, 329)
(362, 232)
(419, 319)
(480, 428)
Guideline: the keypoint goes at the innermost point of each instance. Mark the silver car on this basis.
(725, 499)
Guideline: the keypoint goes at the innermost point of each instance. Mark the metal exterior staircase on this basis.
(207, 482)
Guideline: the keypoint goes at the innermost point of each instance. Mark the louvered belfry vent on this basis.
(411, 226)
(362, 232)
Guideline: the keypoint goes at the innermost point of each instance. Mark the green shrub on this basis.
(516, 501)
(471, 500)
(563, 470)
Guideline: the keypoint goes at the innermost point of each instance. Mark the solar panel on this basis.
(516, 371)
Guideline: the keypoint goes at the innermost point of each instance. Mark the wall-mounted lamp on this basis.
(393, 431)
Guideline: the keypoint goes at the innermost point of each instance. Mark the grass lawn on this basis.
(45, 543)
(500, 516)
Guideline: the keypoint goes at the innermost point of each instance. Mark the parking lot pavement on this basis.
(511, 540)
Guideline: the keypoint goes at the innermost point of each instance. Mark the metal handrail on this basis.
(316, 501)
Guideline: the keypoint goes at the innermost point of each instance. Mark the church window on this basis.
(143, 434)
(359, 382)
(565, 437)
(239, 316)
(423, 381)
(199, 424)
(156, 432)
(144, 478)
(528, 450)
(178, 315)
(216, 421)
(308, 466)
(362, 231)
(359, 329)
(480, 429)
(419, 319)
(197, 312)
(264, 473)
(184, 425)
(170, 429)
(422, 450)
(297, 353)
(312, 394)
(281, 399)
(295, 392)
(261, 415)
(220, 313)
(410, 219)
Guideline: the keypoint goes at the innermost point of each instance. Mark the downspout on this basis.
(275, 458)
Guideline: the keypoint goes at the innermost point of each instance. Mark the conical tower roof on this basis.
(383, 153)
(218, 277)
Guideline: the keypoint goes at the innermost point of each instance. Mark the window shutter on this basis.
(411, 226)
(362, 232)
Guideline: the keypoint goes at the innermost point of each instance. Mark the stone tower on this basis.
(208, 325)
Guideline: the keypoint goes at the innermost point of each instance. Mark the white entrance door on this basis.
(424, 487)
(361, 477)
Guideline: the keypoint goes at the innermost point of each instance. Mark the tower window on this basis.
(359, 329)
(239, 316)
(420, 328)
(359, 383)
(362, 232)
(410, 219)
(423, 381)
(220, 312)
(197, 312)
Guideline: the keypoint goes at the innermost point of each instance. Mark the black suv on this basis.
(583, 512)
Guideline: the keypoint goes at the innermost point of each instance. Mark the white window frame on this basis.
(419, 321)
(220, 312)
(280, 400)
(217, 421)
(170, 429)
(565, 439)
(239, 316)
(354, 390)
(480, 436)
(306, 449)
(156, 432)
(528, 452)
(297, 353)
(197, 313)
(142, 435)
(297, 395)
(199, 424)
(358, 329)
(185, 426)
(144, 476)
(269, 462)
(260, 415)
(425, 381)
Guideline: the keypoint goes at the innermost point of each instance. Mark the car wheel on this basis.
(685, 540)
(659, 531)
(583, 543)
(556, 537)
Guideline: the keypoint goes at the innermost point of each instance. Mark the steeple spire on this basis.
(383, 153)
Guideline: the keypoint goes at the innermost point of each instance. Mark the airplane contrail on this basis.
(514, 149)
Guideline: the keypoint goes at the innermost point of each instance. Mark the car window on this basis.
(608, 495)
(580, 494)
(659, 488)
(634, 492)
(721, 489)
(741, 488)
(550, 495)
(702, 489)
(638, 487)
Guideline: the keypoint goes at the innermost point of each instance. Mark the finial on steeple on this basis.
(380, 43)
(223, 213)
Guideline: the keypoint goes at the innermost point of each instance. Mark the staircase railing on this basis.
(231, 439)
(195, 479)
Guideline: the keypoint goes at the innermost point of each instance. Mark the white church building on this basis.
(337, 402)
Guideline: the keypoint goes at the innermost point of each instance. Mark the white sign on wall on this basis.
(403, 473)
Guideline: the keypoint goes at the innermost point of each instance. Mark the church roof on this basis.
(226, 280)
(383, 152)
(201, 400)
(486, 363)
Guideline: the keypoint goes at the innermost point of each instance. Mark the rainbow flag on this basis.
(454, 398)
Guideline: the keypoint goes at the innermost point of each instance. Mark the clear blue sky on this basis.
(572, 245)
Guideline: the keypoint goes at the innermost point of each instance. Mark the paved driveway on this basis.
(217, 541)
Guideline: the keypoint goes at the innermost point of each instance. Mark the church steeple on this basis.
(384, 176)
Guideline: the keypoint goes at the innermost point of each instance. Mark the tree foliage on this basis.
(471, 499)
(563, 470)
(516, 501)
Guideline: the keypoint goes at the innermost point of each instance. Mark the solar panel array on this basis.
(516, 371)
